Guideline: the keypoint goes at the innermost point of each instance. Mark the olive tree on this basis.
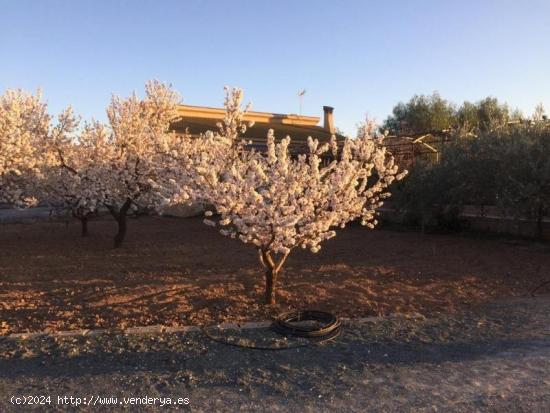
(525, 183)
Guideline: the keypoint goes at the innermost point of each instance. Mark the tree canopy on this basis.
(428, 113)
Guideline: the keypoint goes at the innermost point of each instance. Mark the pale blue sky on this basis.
(358, 56)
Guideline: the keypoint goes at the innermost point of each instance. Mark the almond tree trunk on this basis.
(83, 218)
(270, 280)
(84, 226)
(121, 233)
(120, 217)
(272, 270)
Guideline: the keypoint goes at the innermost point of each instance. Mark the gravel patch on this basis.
(491, 358)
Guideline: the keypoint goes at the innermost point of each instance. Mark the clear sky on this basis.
(358, 56)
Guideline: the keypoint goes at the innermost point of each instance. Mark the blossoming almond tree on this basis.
(120, 165)
(277, 203)
(24, 123)
(74, 168)
(135, 175)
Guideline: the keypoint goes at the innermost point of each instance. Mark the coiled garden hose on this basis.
(318, 326)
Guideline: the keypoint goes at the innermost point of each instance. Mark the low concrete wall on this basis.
(491, 222)
(11, 215)
(44, 213)
(500, 225)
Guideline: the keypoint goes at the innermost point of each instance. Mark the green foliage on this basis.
(423, 114)
(476, 165)
(429, 197)
(484, 116)
(507, 167)
(491, 114)
(525, 182)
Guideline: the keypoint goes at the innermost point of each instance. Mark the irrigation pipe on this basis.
(291, 325)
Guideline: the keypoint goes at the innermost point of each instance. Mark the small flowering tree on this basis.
(119, 165)
(75, 169)
(24, 123)
(134, 175)
(278, 203)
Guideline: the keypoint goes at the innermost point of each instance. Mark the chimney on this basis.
(329, 119)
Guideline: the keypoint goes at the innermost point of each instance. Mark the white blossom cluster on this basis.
(278, 202)
(24, 123)
(133, 171)
(73, 170)
(197, 164)
(272, 200)
(119, 165)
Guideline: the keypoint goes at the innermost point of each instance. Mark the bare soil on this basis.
(179, 271)
(490, 358)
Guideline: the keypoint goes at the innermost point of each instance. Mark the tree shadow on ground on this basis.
(221, 365)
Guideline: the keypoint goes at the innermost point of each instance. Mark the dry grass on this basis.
(178, 271)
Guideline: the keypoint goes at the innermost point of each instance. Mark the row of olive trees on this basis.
(271, 200)
(508, 168)
(423, 114)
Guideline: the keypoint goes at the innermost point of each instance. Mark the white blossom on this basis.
(122, 165)
(278, 202)
(24, 124)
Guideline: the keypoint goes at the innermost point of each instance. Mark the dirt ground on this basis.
(179, 271)
(490, 358)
